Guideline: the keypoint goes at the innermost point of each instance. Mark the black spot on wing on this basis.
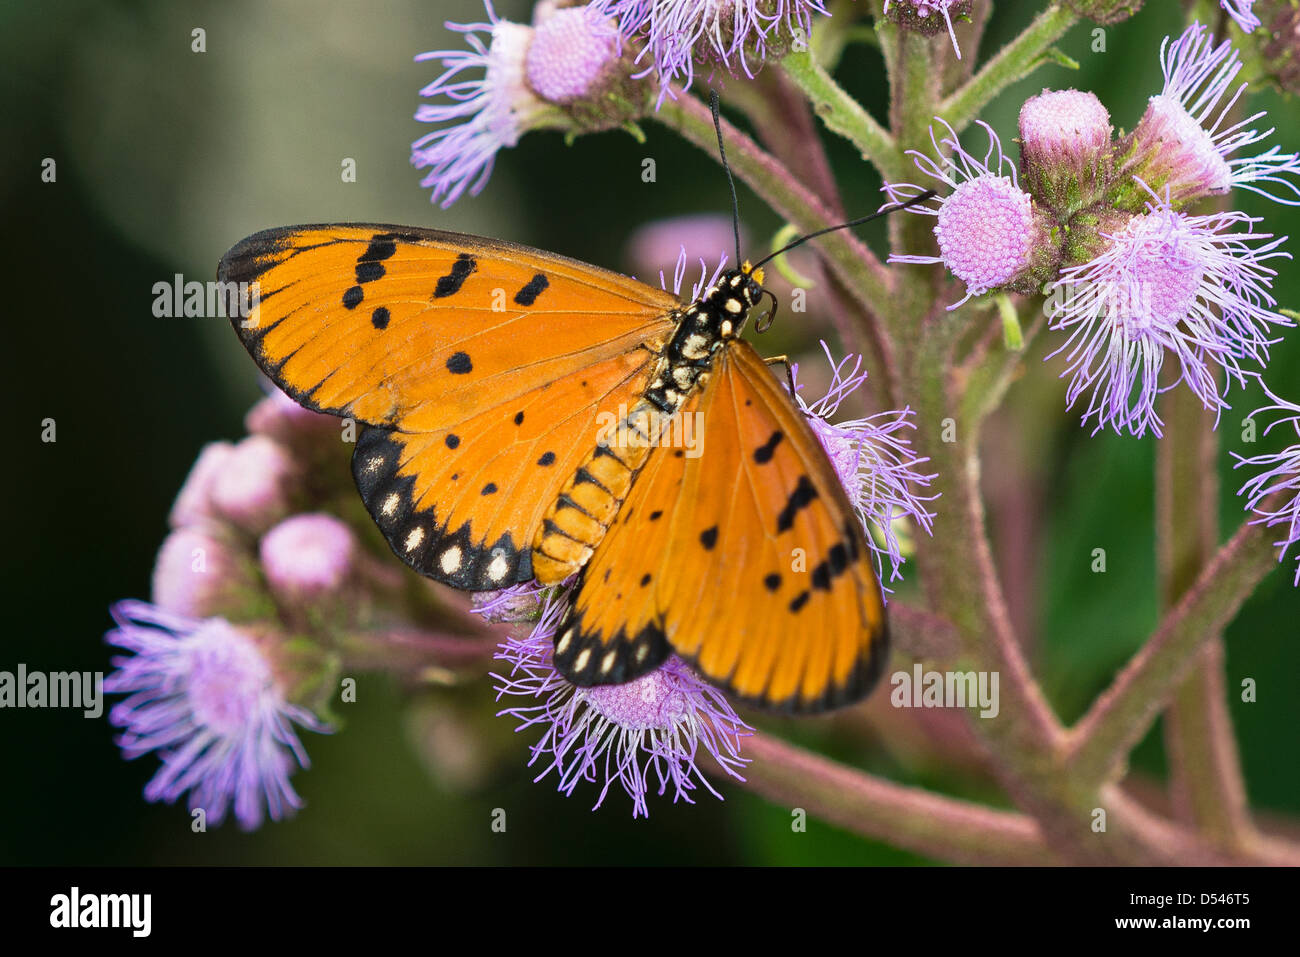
(519, 418)
(800, 600)
(459, 363)
(379, 318)
(803, 494)
(452, 440)
(450, 284)
(763, 454)
(839, 558)
(369, 271)
(381, 247)
(489, 489)
(709, 537)
(529, 293)
(352, 297)
(654, 516)
(772, 581)
(548, 458)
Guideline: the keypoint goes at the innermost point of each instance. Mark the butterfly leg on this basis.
(789, 372)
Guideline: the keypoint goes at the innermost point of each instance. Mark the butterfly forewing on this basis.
(483, 369)
(747, 560)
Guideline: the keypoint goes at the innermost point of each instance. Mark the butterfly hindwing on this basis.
(459, 504)
(746, 560)
(481, 368)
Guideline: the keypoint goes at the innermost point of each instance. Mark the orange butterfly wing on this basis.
(701, 559)
(482, 369)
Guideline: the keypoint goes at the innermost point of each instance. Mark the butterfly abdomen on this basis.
(584, 510)
(580, 516)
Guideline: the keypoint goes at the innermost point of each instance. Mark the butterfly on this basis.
(515, 406)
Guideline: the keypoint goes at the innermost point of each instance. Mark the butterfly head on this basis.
(729, 301)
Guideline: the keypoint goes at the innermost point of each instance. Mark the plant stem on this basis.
(851, 260)
(991, 369)
(956, 565)
(1206, 781)
(407, 650)
(920, 633)
(1013, 62)
(1122, 714)
(940, 827)
(842, 114)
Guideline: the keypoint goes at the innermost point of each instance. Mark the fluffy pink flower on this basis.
(986, 227)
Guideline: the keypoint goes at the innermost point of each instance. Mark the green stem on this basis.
(991, 369)
(844, 115)
(936, 826)
(920, 633)
(1120, 717)
(1206, 782)
(1013, 62)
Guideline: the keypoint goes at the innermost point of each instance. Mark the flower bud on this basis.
(1065, 149)
(253, 488)
(306, 557)
(201, 574)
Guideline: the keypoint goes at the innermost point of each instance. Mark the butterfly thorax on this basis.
(582, 514)
(702, 327)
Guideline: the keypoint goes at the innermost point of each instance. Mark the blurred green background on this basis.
(166, 157)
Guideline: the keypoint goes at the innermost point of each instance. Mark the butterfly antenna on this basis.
(722, 153)
(928, 194)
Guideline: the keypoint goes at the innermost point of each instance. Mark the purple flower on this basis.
(572, 53)
(923, 10)
(254, 485)
(193, 503)
(643, 734)
(1167, 284)
(1183, 143)
(308, 556)
(1240, 11)
(987, 228)
(206, 698)
(517, 603)
(529, 73)
(200, 573)
(483, 114)
(1064, 126)
(680, 35)
(1279, 481)
(874, 461)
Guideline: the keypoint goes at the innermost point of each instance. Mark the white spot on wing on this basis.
(449, 561)
(414, 538)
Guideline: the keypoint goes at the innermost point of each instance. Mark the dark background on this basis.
(167, 157)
